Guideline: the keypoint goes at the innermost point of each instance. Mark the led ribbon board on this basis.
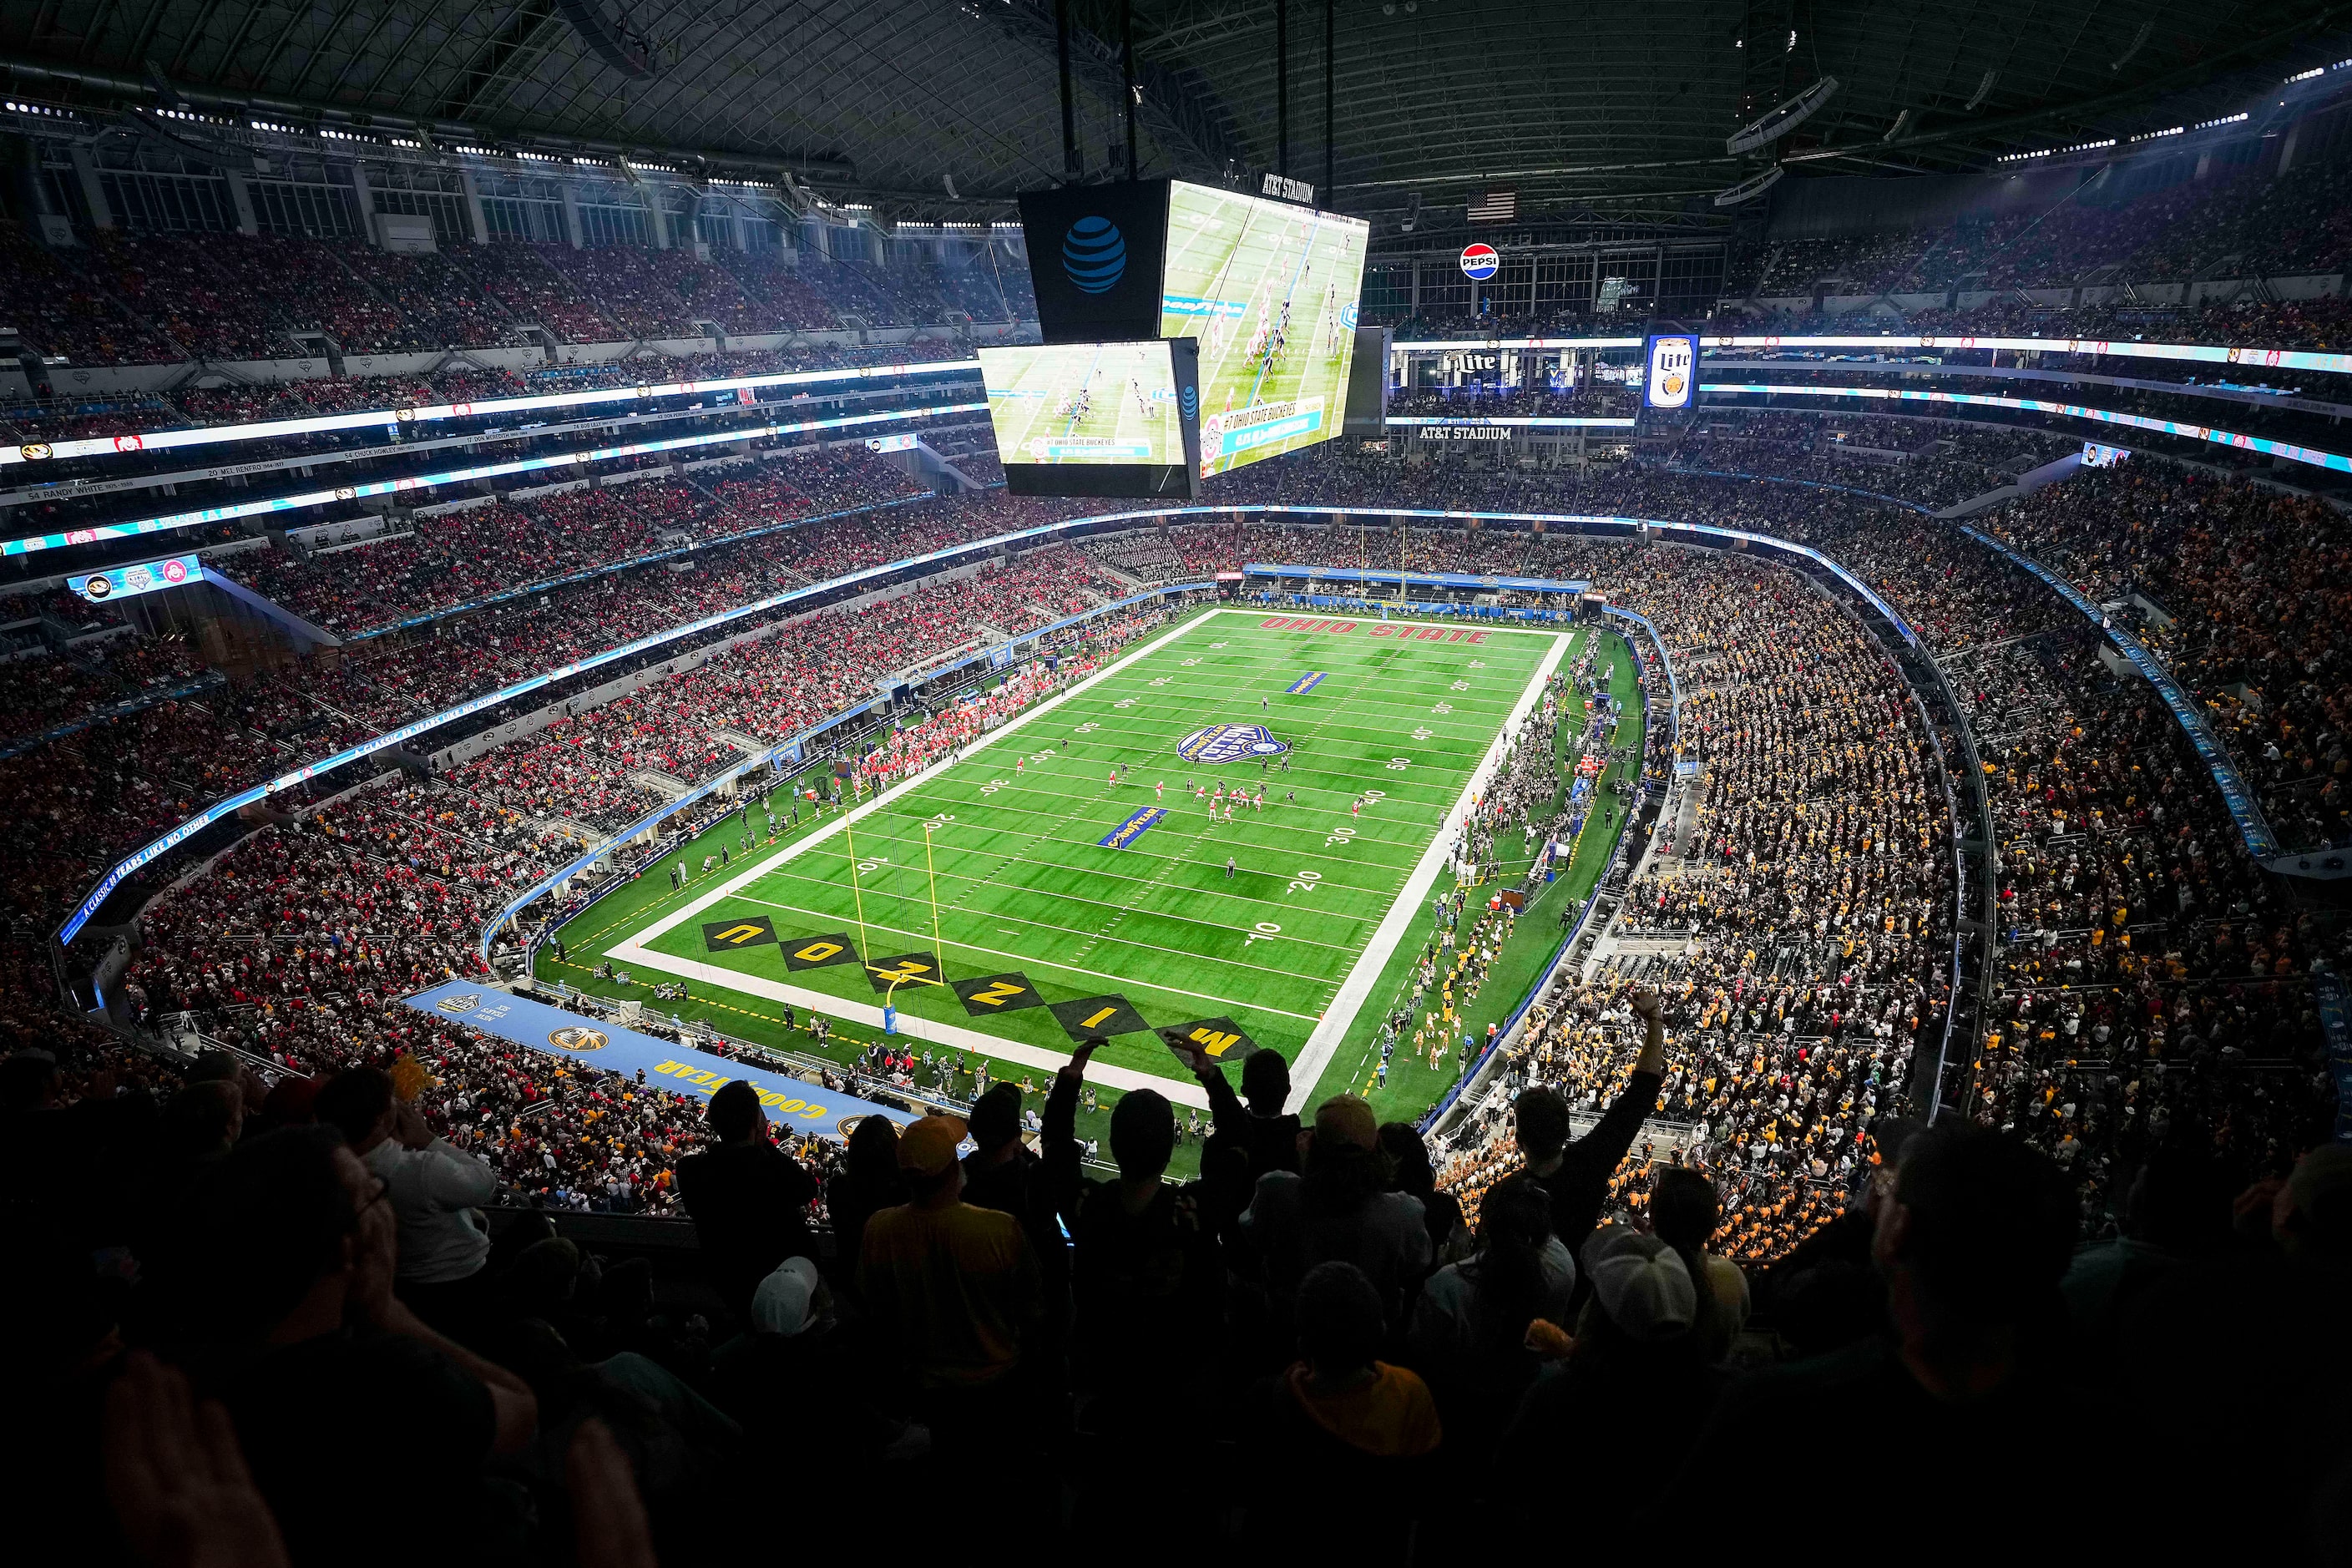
(267, 430)
(2244, 442)
(212, 514)
(2197, 354)
(128, 582)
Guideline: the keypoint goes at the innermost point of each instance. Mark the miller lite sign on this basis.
(1672, 375)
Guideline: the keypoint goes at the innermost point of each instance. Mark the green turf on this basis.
(1021, 884)
(1023, 887)
(1413, 1088)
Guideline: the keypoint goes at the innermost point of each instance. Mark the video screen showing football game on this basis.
(1083, 403)
(1269, 292)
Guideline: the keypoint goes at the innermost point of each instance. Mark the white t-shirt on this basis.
(434, 1192)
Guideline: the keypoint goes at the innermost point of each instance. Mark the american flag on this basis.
(1496, 206)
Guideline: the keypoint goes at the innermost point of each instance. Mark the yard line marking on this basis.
(1175, 836)
(636, 952)
(1143, 886)
(1183, 1092)
(1037, 963)
(1258, 819)
(1308, 1070)
(1321, 1043)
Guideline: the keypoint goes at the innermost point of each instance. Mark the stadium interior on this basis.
(664, 663)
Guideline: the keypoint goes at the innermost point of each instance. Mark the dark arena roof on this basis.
(1307, 780)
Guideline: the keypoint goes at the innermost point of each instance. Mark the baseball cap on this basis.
(1348, 1119)
(929, 1147)
(1640, 1283)
(783, 1303)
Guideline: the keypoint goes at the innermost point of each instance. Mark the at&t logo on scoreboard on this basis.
(1671, 377)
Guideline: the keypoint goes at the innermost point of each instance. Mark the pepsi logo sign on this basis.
(1479, 261)
(1093, 255)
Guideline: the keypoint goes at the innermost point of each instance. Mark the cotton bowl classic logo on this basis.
(465, 1004)
(1479, 261)
(1217, 743)
(1093, 256)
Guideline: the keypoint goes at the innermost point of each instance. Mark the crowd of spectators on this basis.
(581, 768)
(2234, 585)
(213, 1254)
(2150, 977)
(122, 296)
(1477, 400)
(1933, 463)
(48, 688)
(2234, 222)
(465, 556)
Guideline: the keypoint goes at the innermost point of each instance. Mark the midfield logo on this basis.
(1215, 743)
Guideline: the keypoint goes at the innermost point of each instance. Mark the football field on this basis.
(1017, 900)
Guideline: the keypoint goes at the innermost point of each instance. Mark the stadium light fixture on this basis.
(2056, 152)
(1784, 119)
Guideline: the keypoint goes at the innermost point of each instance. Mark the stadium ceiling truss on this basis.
(945, 108)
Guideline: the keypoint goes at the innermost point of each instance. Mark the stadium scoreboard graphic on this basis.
(1269, 292)
(1119, 419)
(1265, 290)
(146, 577)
